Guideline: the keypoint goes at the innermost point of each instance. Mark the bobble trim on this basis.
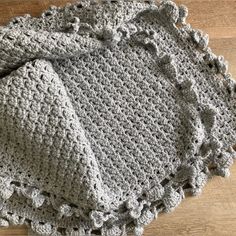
(156, 193)
(114, 231)
(135, 207)
(208, 116)
(146, 218)
(50, 12)
(34, 195)
(183, 14)
(4, 223)
(187, 91)
(41, 228)
(200, 39)
(218, 64)
(171, 198)
(98, 218)
(138, 231)
(170, 10)
(230, 85)
(221, 64)
(6, 189)
(74, 25)
(167, 63)
(65, 210)
(127, 30)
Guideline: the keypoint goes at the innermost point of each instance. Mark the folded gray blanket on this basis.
(109, 113)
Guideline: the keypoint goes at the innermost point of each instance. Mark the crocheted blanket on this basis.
(109, 113)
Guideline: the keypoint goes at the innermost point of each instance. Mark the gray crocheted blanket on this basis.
(109, 113)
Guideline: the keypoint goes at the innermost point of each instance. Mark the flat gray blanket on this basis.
(109, 113)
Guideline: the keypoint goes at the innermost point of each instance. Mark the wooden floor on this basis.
(213, 213)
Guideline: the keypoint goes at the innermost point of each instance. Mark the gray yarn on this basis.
(110, 113)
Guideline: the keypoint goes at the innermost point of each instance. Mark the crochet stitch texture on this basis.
(109, 113)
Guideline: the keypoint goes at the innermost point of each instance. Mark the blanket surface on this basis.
(110, 112)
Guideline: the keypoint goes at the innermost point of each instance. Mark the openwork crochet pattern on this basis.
(109, 113)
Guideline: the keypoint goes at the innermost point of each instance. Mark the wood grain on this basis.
(214, 211)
